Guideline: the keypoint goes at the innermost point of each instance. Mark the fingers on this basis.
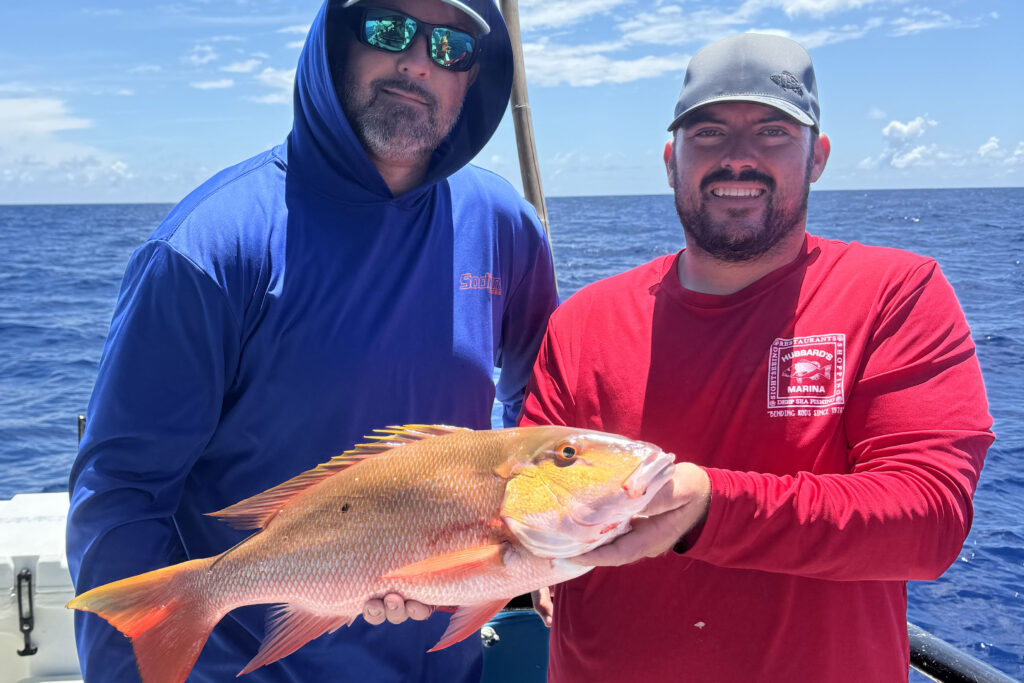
(373, 612)
(689, 484)
(646, 539)
(542, 605)
(417, 611)
(394, 609)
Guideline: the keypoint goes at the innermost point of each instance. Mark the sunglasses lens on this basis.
(452, 49)
(391, 32)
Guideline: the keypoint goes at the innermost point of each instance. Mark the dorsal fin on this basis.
(256, 511)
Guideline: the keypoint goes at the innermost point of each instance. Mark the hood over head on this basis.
(325, 151)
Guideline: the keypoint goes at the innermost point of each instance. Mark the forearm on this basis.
(905, 518)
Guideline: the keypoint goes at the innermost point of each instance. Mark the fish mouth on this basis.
(650, 475)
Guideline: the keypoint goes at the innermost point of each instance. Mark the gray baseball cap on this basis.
(466, 9)
(751, 67)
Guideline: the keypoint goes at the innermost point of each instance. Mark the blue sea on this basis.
(60, 268)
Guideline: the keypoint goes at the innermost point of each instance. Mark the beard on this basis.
(393, 131)
(738, 238)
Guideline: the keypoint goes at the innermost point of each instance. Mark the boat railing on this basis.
(943, 662)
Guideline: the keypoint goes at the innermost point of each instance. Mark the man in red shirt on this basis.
(823, 400)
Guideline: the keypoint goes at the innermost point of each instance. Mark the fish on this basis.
(448, 516)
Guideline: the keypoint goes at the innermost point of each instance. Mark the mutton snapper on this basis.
(442, 515)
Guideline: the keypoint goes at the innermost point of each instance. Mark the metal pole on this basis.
(940, 661)
(522, 119)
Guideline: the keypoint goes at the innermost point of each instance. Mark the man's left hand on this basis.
(680, 505)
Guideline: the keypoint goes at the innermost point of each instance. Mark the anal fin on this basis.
(467, 620)
(289, 628)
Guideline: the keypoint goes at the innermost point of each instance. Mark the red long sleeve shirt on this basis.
(838, 407)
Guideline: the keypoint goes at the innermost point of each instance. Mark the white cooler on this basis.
(32, 541)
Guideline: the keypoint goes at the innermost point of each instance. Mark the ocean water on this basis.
(60, 268)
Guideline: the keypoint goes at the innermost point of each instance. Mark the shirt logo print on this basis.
(486, 281)
(805, 375)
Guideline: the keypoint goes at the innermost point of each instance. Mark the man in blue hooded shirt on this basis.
(358, 276)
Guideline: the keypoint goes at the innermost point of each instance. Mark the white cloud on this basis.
(919, 155)
(200, 55)
(922, 19)
(36, 116)
(145, 69)
(870, 163)
(281, 81)
(560, 13)
(213, 85)
(248, 66)
(906, 131)
(587, 65)
(990, 147)
(815, 8)
(670, 25)
(903, 150)
(875, 113)
(992, 153)
(829, 35)
(673, 24)
(298, 30)
(33, 151)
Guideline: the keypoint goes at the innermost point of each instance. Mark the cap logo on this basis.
(788, 81)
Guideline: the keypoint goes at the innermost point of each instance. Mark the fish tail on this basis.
(165, 614)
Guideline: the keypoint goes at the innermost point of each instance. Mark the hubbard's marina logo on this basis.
(805, 375)
(486, 281)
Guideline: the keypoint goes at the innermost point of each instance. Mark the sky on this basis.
(135, 101)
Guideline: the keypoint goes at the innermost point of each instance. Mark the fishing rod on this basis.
(529, 167)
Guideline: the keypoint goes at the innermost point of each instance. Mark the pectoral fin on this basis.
(468, 561)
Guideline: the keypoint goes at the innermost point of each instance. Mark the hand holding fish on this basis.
(677, 508)
(394, 609)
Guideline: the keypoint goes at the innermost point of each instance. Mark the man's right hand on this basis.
(395, 609)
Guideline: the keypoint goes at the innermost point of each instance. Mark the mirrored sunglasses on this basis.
(392, 31)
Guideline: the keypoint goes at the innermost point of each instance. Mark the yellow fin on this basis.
(255, 512)
(469, 560)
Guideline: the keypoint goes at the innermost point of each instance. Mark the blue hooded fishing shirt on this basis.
(282, 311)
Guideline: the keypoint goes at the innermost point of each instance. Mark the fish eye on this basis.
(565, 453)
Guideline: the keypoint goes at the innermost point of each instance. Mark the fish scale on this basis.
(442, 515)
